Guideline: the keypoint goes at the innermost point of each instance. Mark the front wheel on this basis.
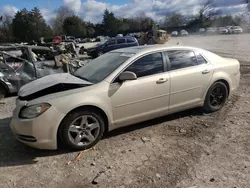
(216, 97)
(81, 130)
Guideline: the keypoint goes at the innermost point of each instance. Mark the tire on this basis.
(2, 92)
(66, 129)
(213, 95)
(99, 53)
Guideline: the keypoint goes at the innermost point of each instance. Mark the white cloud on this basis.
(9, 10)
(92, 10)
(74, 5)
(47, 14)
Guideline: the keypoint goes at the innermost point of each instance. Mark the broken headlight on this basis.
(29, 112)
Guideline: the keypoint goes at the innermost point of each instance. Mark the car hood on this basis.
(50, 84)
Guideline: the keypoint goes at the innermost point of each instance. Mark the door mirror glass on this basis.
(127, 75)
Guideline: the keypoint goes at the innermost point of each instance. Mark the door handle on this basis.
(162, 80)
(205, 71)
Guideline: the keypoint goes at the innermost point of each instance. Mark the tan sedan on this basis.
(120, 88)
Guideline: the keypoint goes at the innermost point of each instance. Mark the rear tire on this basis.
(3, 92)
(216, 97)
(99, 53)
(82, 129)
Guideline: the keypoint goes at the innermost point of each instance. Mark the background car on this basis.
(112, 44)
(229, 29)
(20, 65)
(210, 30)
(223, 30)
(120, 88)
(184, 33)
(202, 30)
(237, 30)
(174, 33)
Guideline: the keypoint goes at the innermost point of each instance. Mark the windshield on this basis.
(98, 69)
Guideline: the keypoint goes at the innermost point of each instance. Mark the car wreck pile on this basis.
(21, 64)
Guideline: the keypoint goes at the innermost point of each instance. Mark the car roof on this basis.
(152, 48)
(125, 37)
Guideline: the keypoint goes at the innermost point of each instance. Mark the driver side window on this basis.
(111, 42)
(147, 65)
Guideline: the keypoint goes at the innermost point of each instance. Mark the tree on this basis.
(29, 25)
(57, 23)
(206, 13)
(38, 25)
(248, 4)
(6, 28)
(175, 20)
(74, 26)
(110, 23)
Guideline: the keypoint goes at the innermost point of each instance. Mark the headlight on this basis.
(33, 111)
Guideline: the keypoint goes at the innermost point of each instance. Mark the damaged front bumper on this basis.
(40, 132)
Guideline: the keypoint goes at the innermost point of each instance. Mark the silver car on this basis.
(121, 88)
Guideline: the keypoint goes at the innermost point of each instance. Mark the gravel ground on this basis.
(185, 150)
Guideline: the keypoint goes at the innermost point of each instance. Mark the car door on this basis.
(190, 75)
(18, 71)
(144, 98)
(44, 62)
(130, 42)
(110, 45)
(120, 43)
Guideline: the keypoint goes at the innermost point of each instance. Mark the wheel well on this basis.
(93, 108)
(226, 83)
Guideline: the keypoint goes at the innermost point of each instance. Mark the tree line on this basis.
(28, 26)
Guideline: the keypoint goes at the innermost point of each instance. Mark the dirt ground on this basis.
(190, 149)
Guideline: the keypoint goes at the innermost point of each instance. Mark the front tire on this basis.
(81, 130)
(216, 97)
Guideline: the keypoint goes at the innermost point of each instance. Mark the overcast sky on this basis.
(92, 10)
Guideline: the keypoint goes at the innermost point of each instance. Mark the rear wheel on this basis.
(81, 130)
(3, 92)
(216, 97)
(99, 53)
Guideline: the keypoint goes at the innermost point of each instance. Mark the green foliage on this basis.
(29, 25)
(74, 26)
(110, 23)
(175, 20)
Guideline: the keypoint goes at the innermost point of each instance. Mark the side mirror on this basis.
(127, 75)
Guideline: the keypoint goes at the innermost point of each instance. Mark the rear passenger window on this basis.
(130, 41)
(120, 41)
(181, 59)
(200, 59)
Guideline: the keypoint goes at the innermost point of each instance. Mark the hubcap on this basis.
(84, 130)
(217, 96)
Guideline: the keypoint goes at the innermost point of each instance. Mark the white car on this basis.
(210, 30)
(237, 30)
(120, 88)
(202, 30)
(223, 30)
(174, 33)
(184, 33)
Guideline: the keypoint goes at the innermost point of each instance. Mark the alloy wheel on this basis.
(84, 130)
(218, 96)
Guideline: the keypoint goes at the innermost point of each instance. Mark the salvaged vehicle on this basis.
(20, 65)
(111, 44)
(120, 88)
(154, 37)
